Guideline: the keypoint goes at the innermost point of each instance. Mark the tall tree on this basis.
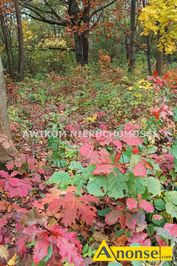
(148, 47)
(21, 57)
(80, 17)
(7, 149)
(10, 9)
(158, 17)
(131, 64)
(8, 45)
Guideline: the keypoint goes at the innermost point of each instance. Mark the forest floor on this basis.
(53, 171)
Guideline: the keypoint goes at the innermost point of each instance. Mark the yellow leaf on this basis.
(12, 261)
(4, 252)
(91, 119)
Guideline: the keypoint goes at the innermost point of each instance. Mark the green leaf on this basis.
(140, 185)
(59, 178)
(89, 171)
(151, 149)
(175, 164)
(137, 263)
(150, 229)
(171, 203)
(79, 182)
(136, 185)
(117, 185)
(174, 149)
(171, 197)
(167, 263)
(49, 255)
(175, 114)
(80, 179)
(171, 209)
(154, 186)
(120, 232)
(155, 166)
(31, 244)
(77, 166)
(159, 204)
(159, 223)
(85, 248)
(97, 186)
(103, 212)
(114, 264)
(125, 157)
(135, 159)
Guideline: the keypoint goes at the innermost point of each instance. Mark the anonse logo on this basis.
(106, 253)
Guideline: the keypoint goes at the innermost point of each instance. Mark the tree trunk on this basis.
(7, 44)
(126, 48)
(81, 48)
(7, 149)
(131, 64)
(81, 39)
(148, 42)
(21, 60)
(159, 62)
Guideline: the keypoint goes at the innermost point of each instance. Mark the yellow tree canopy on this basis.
(160, 18)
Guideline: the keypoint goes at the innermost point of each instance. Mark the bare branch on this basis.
(38, 16)
(101, 8)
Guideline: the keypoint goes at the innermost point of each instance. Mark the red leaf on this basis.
(14, 173)
(21, 246)
(4, 174)
(104, 138)
(41, 249)
(156, 112)
(117, 157)
(171, 229)
(103, 157)
(112, 217)
(103, 169)
(140, 239)
(86, 151)
(17, 187)
(69, 247)
(132, 140)
(68, 204)
(118, 145)
(130, 221)
(129, 135)
(160, 241)
(3, 222)
(10, 165)
(147, 206)
(155, 73)
(140, 170)
(131, 204)
(135, 150)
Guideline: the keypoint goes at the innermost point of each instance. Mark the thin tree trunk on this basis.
(126, 48)
(7, 149)
(131, 64)
(7, 43)
(159, 62)
(148, 41)
(21, 62)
